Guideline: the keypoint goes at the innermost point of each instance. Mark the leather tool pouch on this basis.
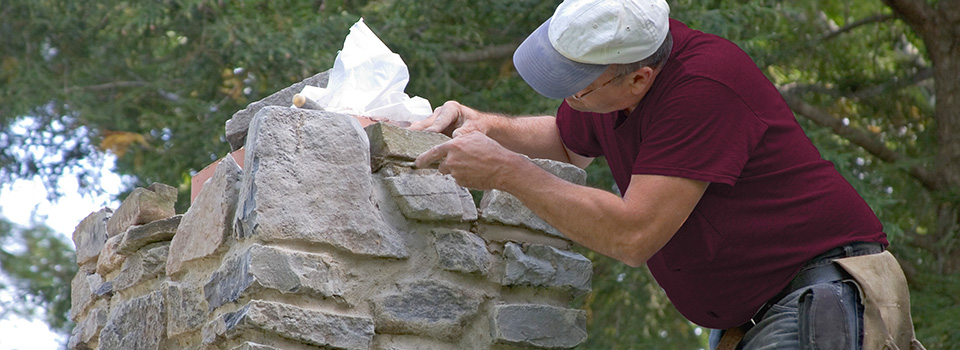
(825, 324)
(886, 300)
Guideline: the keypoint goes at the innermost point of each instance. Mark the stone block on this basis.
(462, 251)
(545, 266)
(426, 307)
(138, 323)
(539, 326)
(317, 328)
(88, 329)
(306, 178)
(391, 143)
(110, 259)
(237, 126)
(83, 293)
(90, 235)
(138, 236)
(252, 346)
(143, 205)
(280, 269)
(145, 264)
(186, 308)
(503, 208)
(209, 221)
(431, 197)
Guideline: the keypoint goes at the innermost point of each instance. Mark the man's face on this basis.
(609, 93)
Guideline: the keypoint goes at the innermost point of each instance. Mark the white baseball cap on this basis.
(574, 47)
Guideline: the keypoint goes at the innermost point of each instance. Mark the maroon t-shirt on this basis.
(772, 203)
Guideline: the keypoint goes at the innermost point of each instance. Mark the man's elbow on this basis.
(634, 253)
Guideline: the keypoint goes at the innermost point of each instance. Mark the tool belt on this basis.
(887, 322)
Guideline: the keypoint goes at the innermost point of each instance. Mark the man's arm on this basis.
(537, 137)
(630, 229)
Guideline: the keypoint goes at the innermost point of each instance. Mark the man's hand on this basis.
(473, 159)
(454, 119)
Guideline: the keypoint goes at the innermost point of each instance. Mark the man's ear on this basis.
(640, 79)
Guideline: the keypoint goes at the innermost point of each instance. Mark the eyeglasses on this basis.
(581, 96)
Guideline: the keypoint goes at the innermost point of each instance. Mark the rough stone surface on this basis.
(309, 326)
(501, 207)
(431, 197)
(236, 128)
(426, 307)
(88, 329)
(110, 259)
(539, 326)
(284, 270)
(307, 178)
(90, 236)
(146, 264)
(136, 324)
(143, 205)
(186, 308)
(545, 266)
(391, 143)
(253, 346)
(83, 289)
(462, 251)
(209, 221)
(137, 237)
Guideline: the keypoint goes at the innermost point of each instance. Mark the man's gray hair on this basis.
(655, 61)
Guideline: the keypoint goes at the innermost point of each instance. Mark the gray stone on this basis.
(549, 267)
(253, 346)
(209, 220)
(281, 269)
(431, 197)
(391, 143)
(539, 326)
(306, 178)
(186, 308)
(110, 259)
(462, 251)
(427, 307)
(90, 235)
(142, 206)
(138, 323)
(88, 329)
(236, 128)
(312, 327)
(501, 207)
(83, 292)
(137, 237)
(146, 264)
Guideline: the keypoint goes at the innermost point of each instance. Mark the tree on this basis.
(40, 265)
(153, 83)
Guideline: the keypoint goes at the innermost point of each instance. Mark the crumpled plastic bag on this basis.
(367, 80)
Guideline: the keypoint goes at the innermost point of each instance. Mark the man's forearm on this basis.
(537, 137)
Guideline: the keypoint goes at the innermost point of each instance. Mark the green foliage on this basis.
(40, 264)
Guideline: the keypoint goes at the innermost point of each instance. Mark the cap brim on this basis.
(547, 71)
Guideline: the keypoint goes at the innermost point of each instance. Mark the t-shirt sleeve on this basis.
(702, 130)
(577, 132)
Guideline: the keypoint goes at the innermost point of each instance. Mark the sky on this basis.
(26, 198)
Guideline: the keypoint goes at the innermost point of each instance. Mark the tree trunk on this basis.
(939, 26)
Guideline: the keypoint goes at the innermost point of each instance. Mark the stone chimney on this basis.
(326, 237)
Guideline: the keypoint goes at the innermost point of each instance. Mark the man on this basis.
(725, 199)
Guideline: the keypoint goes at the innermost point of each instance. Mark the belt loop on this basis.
(848, 250)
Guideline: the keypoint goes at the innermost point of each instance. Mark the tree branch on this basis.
(891, 85)
(107, 86)
(483, 54)
(862, 22)
(858, 137)
(917, 14)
